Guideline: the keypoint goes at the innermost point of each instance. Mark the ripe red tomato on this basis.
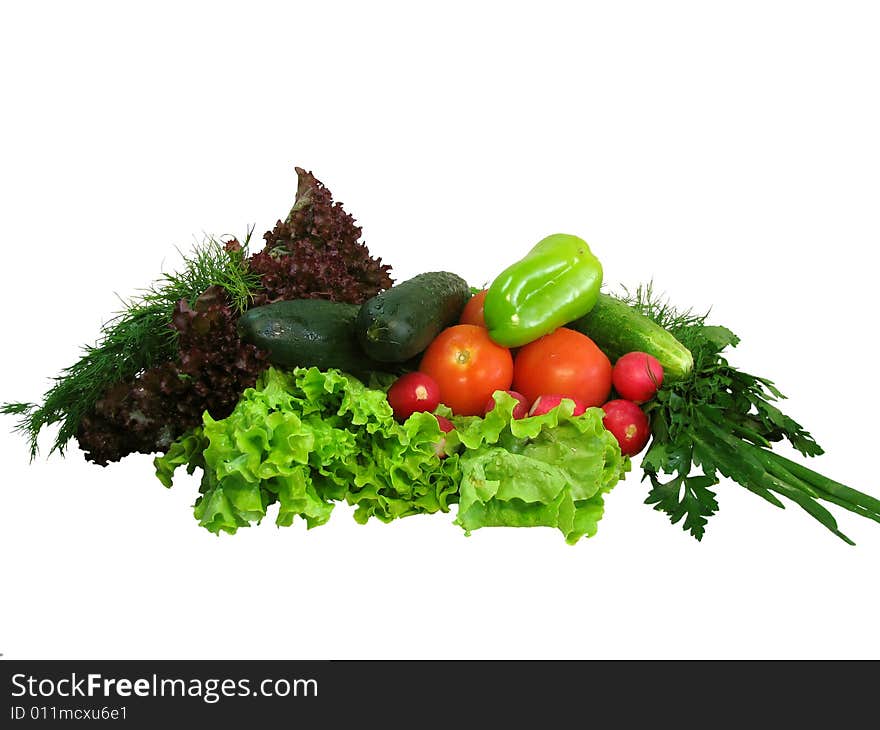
(566, 362)
(473, 310)
(629, 424)
(637, 376)
(468, 367)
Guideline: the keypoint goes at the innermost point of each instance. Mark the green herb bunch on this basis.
(174, 352)
(136, 339)
(723, 421)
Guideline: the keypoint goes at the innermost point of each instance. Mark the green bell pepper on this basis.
(557, 282)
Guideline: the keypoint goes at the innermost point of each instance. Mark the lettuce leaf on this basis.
(305, 439)
(550, 470)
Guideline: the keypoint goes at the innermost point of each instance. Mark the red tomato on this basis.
(468, 367)
(473, 310)
(413, 392)
(637, 376)
(629, 424)
(566, 362)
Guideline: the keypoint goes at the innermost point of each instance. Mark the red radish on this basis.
(629, 424)
(444, 423)
(546, 403)
(637, 376)
(445, 426)
(413, 392)
(520, 410)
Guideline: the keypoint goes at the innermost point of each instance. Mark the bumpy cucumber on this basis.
(306, 333)
(399, 323)
(618, 329)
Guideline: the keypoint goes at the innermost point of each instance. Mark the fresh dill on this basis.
(137, 338)
(645, 300)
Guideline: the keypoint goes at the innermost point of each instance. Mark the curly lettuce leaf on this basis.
(186, 451)
(305, 439)
(550, 470)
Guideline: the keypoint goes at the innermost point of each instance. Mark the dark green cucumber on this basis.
(307, 333)
(399, 323)
(617, 329)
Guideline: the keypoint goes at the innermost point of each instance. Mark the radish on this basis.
(546, 403)
(411, 393)
(520, 410)
(629, 424)
(637, 376)
(445, 426)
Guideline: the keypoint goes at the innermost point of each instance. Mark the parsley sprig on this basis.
(721, 421)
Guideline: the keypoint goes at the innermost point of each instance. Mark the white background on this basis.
(730, 151)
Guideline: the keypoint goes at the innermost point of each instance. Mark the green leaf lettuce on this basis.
(305, 439)
(550, 470)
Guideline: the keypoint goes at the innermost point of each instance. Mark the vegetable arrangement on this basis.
(298, 377)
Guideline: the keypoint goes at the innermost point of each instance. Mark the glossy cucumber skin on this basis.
(307, 333)
(618, 329)
(399, 323)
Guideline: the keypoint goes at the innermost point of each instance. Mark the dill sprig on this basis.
(135, 339)
(657, 307)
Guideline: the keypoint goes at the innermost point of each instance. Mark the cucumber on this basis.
(618, 329)
(399, 323)
(307, 333)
